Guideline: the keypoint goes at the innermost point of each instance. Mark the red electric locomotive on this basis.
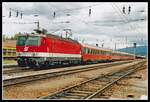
(45, 50)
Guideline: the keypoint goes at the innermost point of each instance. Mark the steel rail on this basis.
(25, 79)
(63, 93)
(113, 82)
(16, 70)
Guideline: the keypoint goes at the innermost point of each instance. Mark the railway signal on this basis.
(123, 10)
(129, 10)
(17, 13)
(90, 12)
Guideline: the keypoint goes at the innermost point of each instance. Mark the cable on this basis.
(125, 19)
(77, 8)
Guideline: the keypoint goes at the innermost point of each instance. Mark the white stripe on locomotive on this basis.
(42, 54)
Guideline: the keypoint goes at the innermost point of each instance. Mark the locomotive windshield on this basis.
(33, 41)
(21, 40)
(30, 40)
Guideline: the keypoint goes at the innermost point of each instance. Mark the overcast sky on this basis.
(106, 24)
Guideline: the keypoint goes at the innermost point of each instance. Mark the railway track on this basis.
(16, 70)
(95, 86)
(25, 79)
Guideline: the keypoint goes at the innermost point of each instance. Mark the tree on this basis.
(15, 36)
(12, 38)
(4, 38)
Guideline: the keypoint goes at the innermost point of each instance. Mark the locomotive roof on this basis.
(51, 36)
(61, 38)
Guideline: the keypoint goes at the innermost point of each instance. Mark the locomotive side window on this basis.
(21, 40)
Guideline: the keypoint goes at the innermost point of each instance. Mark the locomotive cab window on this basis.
(33, 40)
(21, 40)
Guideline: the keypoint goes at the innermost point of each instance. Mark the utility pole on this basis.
(126, 41)
(134, 44)
(115, 45)
(66, 30)
(10, 13)
(21, 14)
(102, 45)
(38, 24)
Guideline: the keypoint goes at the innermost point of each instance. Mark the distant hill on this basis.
(140, 50)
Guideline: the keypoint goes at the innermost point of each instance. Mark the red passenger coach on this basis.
(39, 50)
(95, 54)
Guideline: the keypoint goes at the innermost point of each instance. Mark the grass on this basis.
(9, 62)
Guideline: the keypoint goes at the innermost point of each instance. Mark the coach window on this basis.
(106, 52)
(84, 50)
(88, 50)
(100, 52)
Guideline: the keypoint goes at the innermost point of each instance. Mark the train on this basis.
(43, 50)
(9, 53)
